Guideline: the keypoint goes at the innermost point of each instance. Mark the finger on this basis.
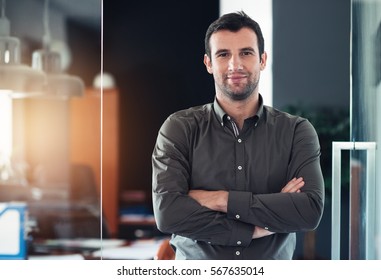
(290, 184)
(294, 185)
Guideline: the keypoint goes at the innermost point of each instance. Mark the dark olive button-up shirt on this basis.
(201, 148)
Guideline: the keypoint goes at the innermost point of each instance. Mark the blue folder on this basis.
(12, 231)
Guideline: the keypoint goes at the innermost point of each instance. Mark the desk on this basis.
(92, 249)
(59, 248)
(136, 250)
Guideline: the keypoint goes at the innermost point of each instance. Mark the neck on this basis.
(239, 110)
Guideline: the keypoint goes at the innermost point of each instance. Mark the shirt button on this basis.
(239, 167)
(239, 242)
(228, 118)
(237, 216)
(239, 140)
(238, 253)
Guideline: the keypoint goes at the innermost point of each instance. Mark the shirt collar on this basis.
(221, 114)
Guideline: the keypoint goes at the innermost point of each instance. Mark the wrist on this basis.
(223, 201)
(260, 232)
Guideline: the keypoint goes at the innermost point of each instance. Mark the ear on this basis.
(208, 64)
(263, 60)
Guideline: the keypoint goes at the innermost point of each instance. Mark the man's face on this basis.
(235, 63)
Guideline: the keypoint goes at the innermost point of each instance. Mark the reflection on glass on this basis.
(39, 146)
(366, 120)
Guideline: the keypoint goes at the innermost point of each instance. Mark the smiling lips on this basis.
(236, 78)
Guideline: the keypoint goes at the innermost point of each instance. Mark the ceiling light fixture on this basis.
(59, 84)
(16, 80)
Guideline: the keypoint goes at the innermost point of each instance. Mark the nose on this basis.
(235, 63)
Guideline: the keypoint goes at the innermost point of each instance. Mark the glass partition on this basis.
(365, 192)
(366, 120)
(50, 148)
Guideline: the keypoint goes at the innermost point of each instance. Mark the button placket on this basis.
(239, 167)
(240, 162)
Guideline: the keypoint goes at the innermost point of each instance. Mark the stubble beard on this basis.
(239, 95)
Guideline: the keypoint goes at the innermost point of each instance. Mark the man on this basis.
(235, 179)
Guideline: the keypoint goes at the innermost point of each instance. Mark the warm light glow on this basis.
(7, 56)
(5, 91)
(6, 133)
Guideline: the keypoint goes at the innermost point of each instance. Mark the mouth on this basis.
(236, 78)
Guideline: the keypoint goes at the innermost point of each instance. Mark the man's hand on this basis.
(218, 201)
(293, 186)
(260, 232)
(215, 200)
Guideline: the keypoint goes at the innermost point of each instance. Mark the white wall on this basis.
(261, 12)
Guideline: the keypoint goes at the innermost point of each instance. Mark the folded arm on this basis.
(194, 215)
(175, 211)
(218, 201)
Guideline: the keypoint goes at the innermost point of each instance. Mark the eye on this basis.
(222, 54)
(247, 53)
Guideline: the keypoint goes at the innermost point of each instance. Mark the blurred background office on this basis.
(151, 52)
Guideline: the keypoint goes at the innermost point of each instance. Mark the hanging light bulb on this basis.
(59, 84)
(16, 79)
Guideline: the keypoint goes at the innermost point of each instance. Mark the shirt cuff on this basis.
(239, 205)
(242, 235)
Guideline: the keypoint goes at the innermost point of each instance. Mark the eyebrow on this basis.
(247, 49)
(221, 51)
(241, 50)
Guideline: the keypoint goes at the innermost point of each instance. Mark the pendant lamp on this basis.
(59, 84)
(16, 79)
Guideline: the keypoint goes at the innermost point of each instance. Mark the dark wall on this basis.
(155, 51)
(85, 43)
(311, 73)
(311, 52)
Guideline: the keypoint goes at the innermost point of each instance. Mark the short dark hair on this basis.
(234, 22)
